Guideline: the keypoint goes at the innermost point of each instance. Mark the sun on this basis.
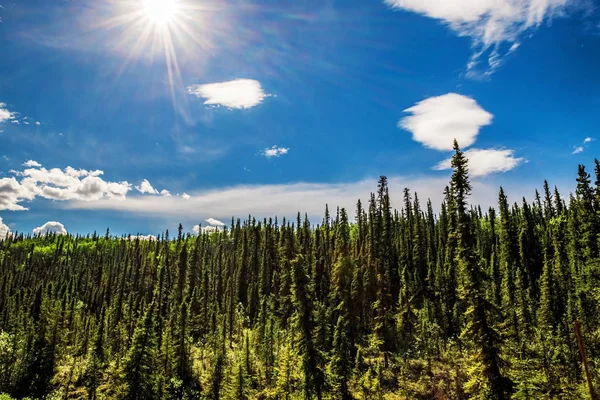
(160, 12)
(163, 32)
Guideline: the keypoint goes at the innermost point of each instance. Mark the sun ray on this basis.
(139, 45)
(159, 31)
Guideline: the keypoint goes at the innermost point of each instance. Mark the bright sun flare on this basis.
(155, 29)
(160, 12)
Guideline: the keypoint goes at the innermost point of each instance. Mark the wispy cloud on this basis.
(581, 148)
(235, 94)
(287, 199)
(49, 228)
(437, 121)
(275, 151)
(483, 162)
(489, 23)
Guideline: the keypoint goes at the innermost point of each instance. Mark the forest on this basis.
(389, 304)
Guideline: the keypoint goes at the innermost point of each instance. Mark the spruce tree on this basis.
(478, 328)
(139, 368)
(304, 323)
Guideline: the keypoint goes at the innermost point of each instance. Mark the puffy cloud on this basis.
(38, 123)
(238, 93)
(165, 192)
(13, 192)
(146, 187)
(78, 173)
(150, 238)
(94, 188)
(4, 230)
(275, 151)
(206, 229)
(587, 140)
(49, 228)
(437, 121)
(215, 222)
(186, 196)
(489, 23)
(6, 115)
(486, 161)
(31, 163)
(57, 184)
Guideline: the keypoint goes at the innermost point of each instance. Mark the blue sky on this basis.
(140, 114)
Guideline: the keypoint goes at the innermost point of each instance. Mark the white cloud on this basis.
(165, 192)
(4, 230)
(38, 123)
(5, 115)
(238, 93)
(489, 23)
(57, 184)
(285, 200)
(31, 163)
(275, 151)
(146, 187)
(49, 228)
(186, 196)
(215, 222)
(486, 161)
(580, 149)
(150, 238)
(206, 229)
(437, 121)
(13, 192)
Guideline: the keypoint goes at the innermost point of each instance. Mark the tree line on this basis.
(399, 304)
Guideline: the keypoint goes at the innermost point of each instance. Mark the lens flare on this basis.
(160, 31)
(161, 12)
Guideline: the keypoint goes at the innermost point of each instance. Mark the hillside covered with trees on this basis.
(399, 304)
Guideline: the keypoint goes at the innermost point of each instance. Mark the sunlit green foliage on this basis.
(398, 304)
